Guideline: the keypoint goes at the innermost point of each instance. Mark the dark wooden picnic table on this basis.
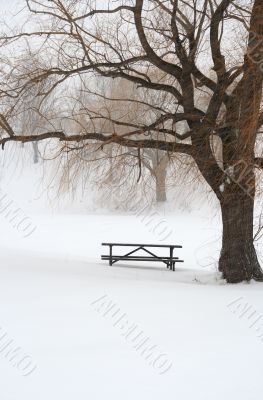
(169, 260)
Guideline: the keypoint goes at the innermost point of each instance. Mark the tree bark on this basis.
(238, 260)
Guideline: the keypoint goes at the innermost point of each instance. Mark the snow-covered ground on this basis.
(51, 283)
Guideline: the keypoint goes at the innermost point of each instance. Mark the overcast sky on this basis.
(9, 5)
(6, 4)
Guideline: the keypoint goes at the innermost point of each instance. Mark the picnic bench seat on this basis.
(169, 260)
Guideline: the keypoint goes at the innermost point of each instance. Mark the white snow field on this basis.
(55, 305)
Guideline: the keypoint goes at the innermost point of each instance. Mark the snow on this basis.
(49, 280)
(222, 187)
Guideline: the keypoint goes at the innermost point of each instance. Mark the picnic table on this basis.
(170, 260)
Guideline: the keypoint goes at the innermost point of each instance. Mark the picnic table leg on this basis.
(110, 255)
(171, 258)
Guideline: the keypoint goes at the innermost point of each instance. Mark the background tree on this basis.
(154, 160)
(112, 101)
(180, 43)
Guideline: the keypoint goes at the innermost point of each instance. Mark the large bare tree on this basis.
(173, 47)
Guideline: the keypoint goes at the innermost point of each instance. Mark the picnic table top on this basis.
(143, 245)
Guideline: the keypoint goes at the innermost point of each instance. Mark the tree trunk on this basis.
(238, 260)
(160, 181)
(35, 152)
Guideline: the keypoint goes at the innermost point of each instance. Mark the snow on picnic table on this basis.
(49, 280)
